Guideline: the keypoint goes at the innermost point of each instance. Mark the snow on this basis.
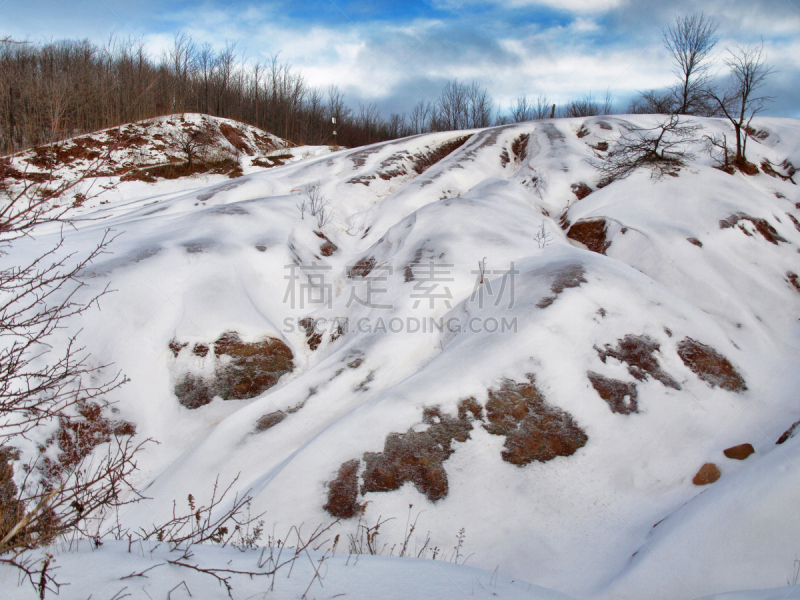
(196, 258)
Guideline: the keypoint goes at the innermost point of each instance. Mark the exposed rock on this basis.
(570, 276)
(710, 366)
(241, 370)
(270, 420)
(637, 352)
(763, 227)
(789, 433)
(534, 429)
(615, 393)
(252, 369)
(739, 452)
(591, 233)
(417, 456)
(708, 473)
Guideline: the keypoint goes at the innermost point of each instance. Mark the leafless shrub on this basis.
(41, 387)
(720, 153)
(543, 237)
(318, 205)
(660, 149)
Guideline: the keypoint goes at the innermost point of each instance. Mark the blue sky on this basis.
(394, 53)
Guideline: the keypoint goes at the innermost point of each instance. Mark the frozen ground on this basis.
(677, 299)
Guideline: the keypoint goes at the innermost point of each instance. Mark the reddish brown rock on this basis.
(708, 473)
(739, 452)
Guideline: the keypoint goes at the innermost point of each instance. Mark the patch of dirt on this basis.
(604, 125)
(200, 350)
(176, 347)
(710, 366)
(739, 452)
(194, 391)
(343, 492)
(424, 161)
(695, 241)
(534, 429)
(362, 268)
(78, 436)
(746, 166)
(591, 233)
(360, 158)
(242, 370)
(583, 131)
(581, 190)
(708, 473)
(789, 433)
(313, 338)
(619, 395)
(363, 179)
(570, 276)
(328, 247)
(234, 136)
(637, 352)
(762, 226)
(770, 170)
(270, 420)
(183, 169)
(794, 221)
(519, 147)
(792, 278)
(600, 146)
(417, 456)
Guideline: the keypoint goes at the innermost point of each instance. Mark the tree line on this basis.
(55, 90)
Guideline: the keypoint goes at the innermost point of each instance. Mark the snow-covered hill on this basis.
(481, 332)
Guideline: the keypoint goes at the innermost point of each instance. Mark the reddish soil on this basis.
(739, 452)
(417, 456)
(710, 366)
(695, 241)
(424, 161)
(313, 338)
(762, 226)
(708, 473)
(794, 221)
(328, 247)
(637, 352)
(176, 347)
(534, 429)
(78, 436)
(248, 370)
(789, 433)
(255, 367)
(363, 267)
(581, 190)
(570, 276)
(343, 492)
(270, 420)
(519, 147)
(234, 136)
(792, 278)
(620, 395)
(591, 233)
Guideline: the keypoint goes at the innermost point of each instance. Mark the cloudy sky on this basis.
(396, 52)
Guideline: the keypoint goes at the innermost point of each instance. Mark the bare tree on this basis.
(522, 111)
(739, 101)
(690, 40)
(583, 107)
(43, 388)
(662, 149)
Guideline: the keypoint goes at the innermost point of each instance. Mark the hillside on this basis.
(484, 336)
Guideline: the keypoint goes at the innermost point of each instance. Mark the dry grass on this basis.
(637, 352)
(619, 395)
